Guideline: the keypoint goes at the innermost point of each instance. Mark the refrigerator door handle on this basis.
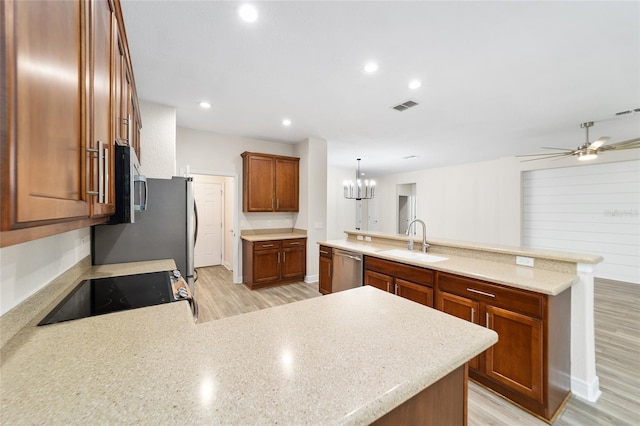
(195, 215)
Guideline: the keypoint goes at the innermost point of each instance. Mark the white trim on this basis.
(588, 391)
(584, 381)
(311, 278)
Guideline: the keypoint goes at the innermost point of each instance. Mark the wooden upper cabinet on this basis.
(101, 139)
(271, 183)
(287, 184)
(60, 78)
(43, 158)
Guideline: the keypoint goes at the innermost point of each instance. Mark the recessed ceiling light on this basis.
(370, 67)
(248, 13)
(414, 84)
(204, 104)
(286, 122)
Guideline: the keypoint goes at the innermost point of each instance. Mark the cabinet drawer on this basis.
(326, 251)
(513, 299)
(266, 245)
(400, 270)
(299, 242)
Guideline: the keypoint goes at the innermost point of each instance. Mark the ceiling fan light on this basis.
(588, 155)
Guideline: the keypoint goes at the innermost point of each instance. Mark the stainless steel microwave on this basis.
(131, 186)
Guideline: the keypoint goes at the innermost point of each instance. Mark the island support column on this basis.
(584, 381)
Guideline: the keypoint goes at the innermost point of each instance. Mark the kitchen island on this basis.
(538, 301)
(347, 358)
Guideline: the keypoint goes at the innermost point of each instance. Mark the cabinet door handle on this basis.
(267, 245)
(129, 130)
(486, 319)
(278, 257)
(297, 244)
(284, 257)
(473, 315)
(395, 290)
(100, 191)
(106, 176)
(473, 290)
(388, 286)
(324, 252)
(277, 203)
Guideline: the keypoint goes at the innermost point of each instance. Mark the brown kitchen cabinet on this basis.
(274, 262)
(101, 149)
(271, 183)
(530, 364)
(411, 282)
(58, 137)
(44, 164)
(325, 270)
(463, 308)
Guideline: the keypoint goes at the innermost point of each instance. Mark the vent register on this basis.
(405, 105)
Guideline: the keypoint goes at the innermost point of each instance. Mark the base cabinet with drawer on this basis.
(410, 282)
(273, 262)
(325, 270)
(530, 364)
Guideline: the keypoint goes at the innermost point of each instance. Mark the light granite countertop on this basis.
(523, 277)
(345, 358)
(273, 236)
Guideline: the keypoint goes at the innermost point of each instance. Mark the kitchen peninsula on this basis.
(544, 309)
(346, 358)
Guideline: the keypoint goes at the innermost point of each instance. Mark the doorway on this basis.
(228, 239)
(406, 206)
(208, 192)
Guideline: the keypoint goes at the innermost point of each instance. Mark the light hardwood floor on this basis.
(617, 339)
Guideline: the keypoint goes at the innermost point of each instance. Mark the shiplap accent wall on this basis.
(588, 209)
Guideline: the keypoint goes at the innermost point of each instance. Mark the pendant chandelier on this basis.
(359, 190)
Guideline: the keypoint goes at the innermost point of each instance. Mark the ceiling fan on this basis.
(586, 151)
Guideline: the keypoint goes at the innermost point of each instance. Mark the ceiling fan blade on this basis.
(598, 143)
(545, 154)
(558, 149)
(628, 144)
(548, 156)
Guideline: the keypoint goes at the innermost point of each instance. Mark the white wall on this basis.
(218, 154)
(593, 208)
(341, 213)
(313, 198)
(26, 268)
(157, 140)
(479, 202)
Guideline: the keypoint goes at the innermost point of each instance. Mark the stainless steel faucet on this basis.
(425, 246)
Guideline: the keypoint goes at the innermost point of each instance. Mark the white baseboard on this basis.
(587, 391)
(311, 278)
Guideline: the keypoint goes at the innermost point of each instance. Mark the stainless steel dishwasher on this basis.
(347, 270)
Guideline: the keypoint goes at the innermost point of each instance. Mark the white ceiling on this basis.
(498, 78)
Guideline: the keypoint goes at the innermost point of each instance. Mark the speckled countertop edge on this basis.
(495, 248)
(522, 277)
(269, 237)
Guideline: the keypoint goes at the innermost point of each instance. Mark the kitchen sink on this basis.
(413, 255)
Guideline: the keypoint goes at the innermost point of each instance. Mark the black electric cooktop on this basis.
(98, 296)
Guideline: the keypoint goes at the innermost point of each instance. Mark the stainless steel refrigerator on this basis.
(167, 229)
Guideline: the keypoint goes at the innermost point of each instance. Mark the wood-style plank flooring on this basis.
(617, 339)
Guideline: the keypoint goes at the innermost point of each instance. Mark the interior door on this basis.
(209, 198)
